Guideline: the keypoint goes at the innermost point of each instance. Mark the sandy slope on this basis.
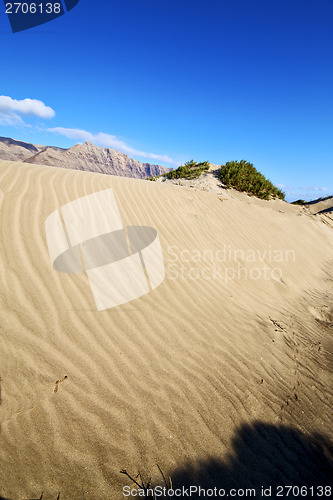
(322, 206)
(221, 377)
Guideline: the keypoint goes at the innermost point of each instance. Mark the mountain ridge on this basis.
(86, 157)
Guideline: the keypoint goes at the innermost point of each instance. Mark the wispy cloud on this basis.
(12, 109)
(109, 141)
(305, 192)
(9, 119)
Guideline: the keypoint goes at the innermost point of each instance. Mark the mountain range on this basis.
(87, 157)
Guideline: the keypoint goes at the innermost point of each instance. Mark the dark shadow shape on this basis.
(265, 455)
(70, 4)
(325, 211)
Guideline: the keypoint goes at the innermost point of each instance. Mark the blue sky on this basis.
(167, 81)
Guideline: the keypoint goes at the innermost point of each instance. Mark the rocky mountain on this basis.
(17, 150)
(85, 156)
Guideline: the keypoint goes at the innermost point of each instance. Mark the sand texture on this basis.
(221, 379)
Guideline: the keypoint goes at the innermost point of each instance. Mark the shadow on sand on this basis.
(326, 211)
(265, 455)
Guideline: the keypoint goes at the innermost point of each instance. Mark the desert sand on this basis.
(222, 375)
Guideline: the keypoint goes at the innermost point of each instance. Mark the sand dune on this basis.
(222, 375)
(321, 206)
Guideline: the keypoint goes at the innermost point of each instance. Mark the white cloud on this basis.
(109, 141)
(11, 109)
(73, 133)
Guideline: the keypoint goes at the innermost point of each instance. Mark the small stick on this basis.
(124, 471)
(58, 382)
(165, 482)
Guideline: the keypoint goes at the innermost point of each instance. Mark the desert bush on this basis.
(299, 202)
(190, 170)
(153, 178)
(243, 176)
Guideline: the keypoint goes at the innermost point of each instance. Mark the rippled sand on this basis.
(217, 381)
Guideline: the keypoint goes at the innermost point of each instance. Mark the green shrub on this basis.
(190, 170)
(153, 178)
(243, 176)
(299, 202)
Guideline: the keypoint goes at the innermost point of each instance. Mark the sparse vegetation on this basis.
(190, 170)
(146, 486)
(299, 202)
(243, 176)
